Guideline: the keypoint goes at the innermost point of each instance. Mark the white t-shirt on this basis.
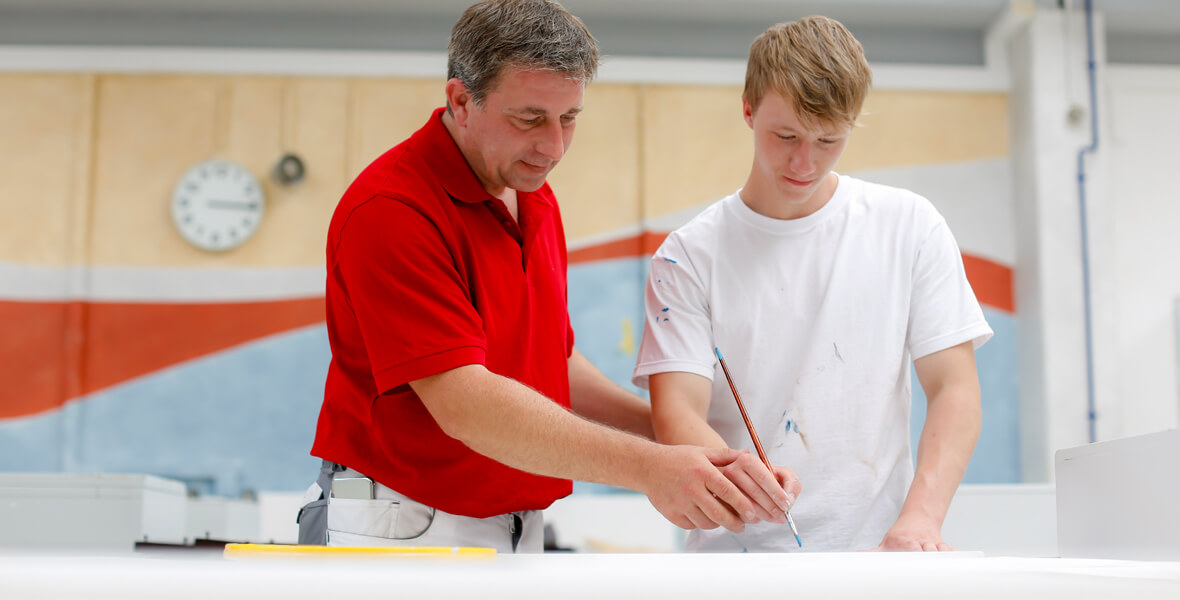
(819, 319)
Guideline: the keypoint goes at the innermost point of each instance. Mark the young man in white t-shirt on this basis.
(819, 290)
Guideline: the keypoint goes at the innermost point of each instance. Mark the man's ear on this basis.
(748, 113)
(458, 101)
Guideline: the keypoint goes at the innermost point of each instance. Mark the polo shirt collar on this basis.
(442, 154)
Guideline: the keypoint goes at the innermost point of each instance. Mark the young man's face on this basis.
(522, 129)
(792, 158)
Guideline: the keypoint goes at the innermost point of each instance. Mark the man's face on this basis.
(523, 128)
(790, 156)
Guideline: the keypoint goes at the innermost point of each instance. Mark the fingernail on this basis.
(749, 516)
(790, 500)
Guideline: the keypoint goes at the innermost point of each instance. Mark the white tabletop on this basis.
(550, 576)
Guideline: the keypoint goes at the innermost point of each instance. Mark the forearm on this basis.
(680, 407)
(674, 424)
(595, 397)
(944, 449)
(559, 443)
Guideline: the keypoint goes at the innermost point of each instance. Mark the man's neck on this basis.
(763, 198)
(504, 194)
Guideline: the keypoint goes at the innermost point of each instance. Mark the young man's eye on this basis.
(568, 119)
(532, 121)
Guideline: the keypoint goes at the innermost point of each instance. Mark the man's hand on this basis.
(913, 535)
(772, 495)
(691, 492)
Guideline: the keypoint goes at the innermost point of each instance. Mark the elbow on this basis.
(446, 397)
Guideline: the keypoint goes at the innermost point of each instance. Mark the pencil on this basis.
(754, 436)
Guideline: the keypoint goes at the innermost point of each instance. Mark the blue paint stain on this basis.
(664, 310)
(665, 318)
(659, 281)
(792, 426)
(670, 260)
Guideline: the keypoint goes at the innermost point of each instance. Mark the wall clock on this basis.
(217, 205)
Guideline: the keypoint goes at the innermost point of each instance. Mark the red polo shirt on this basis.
(428, 272)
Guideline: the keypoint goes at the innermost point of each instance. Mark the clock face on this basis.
(217, 205)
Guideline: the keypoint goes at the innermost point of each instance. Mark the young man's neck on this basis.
(764, 198)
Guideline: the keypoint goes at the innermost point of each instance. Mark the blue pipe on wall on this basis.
(1090, 67)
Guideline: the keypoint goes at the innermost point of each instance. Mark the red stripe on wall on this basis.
(644, 244)
(991, 281)
(118, 342)
(34, 357)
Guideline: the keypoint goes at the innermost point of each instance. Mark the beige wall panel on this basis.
(696, 147)
(45, 125)
(387, 111)
(153, 129)
(597, 182)
(313, 124)
(150, 130)
(904, 128)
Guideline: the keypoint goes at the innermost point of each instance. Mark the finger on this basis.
(929, 547)
(679, 520)
(699, 519)
(790, 484)
(767, 481)
(726, 503)
(764, 506)
(945, 547)
(722, 456)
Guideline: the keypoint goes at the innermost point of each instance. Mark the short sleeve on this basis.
(411, 304)
(943, 309)
(677, 328)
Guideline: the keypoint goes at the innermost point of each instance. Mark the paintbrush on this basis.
(754, 436)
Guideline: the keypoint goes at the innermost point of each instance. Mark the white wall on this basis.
(1144, 264)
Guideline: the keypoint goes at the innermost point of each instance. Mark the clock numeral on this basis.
(252, 206)
(184, 202)
(233, 233)
(192, 187)
(187, 219)
(200, 229)
(204, 173)
(247, 222)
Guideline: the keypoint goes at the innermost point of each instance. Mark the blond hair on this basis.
(814, 62)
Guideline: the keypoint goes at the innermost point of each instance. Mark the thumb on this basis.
(721, 456)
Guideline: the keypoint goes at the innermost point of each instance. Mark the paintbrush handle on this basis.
(745, 417)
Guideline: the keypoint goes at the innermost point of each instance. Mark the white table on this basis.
(596, 576)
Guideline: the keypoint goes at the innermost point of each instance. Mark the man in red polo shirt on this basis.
(447, 411)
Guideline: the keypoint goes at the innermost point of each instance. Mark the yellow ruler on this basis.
(248, 551)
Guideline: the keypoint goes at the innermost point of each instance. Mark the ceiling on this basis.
(899, 31)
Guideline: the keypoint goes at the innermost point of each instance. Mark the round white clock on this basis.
(217, 205)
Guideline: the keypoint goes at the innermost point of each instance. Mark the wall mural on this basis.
(138, 354)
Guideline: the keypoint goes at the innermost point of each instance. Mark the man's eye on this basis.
(532, 121)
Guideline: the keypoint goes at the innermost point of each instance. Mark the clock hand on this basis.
(232, 204)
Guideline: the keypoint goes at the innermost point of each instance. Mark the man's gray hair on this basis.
(537, 35)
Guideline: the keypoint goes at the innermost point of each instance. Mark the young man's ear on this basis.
(748, 113)
(459, 100)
